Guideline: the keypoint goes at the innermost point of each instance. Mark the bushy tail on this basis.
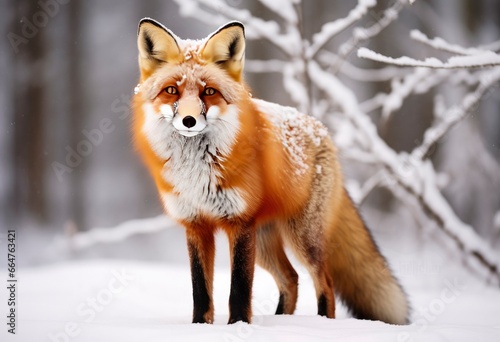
(361, 276)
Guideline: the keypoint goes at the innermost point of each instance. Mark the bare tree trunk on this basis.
(28, 119)
(6, 167)
(76, 110)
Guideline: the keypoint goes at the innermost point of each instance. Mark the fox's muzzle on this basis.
(189, 116)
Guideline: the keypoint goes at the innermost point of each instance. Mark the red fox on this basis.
(265, 174)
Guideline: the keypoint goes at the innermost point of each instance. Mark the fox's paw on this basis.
(238, 318)
(207, 318)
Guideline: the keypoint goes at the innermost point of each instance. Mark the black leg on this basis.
(243, 263)
(280, 310)
(201, 277)
(322, 305)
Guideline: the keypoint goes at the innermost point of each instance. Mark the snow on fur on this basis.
(295, 129)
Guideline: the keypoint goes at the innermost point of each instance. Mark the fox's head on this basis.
(190, 87)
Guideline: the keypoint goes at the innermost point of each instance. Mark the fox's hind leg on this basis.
(305, 232)
(303, 237)
(271, 256)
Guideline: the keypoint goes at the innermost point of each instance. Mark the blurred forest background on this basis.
(68, 65)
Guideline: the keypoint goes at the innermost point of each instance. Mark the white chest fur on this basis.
(196, 181)
(192, 165)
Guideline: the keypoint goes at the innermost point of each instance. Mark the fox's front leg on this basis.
(242, 244)
(201, 248)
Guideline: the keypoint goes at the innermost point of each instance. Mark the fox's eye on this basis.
(171, 90)
(209, 91)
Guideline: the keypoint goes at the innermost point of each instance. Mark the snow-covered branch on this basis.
(479, 60)
(373, 103)
(81, 240)
(361, 35)
(419, 81)
(456, 114)
(331, 29)
(368, 186)
(328, 58)
(285, 9)
(401, 90)
(218, 12)
(441, 44)
(265, 66)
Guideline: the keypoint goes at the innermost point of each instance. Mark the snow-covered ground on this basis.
(123, 300)
(128, 301)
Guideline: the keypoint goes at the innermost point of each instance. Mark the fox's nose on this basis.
(189, 121)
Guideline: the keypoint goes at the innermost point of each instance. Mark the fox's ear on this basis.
(157, 45)
(226, 48)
